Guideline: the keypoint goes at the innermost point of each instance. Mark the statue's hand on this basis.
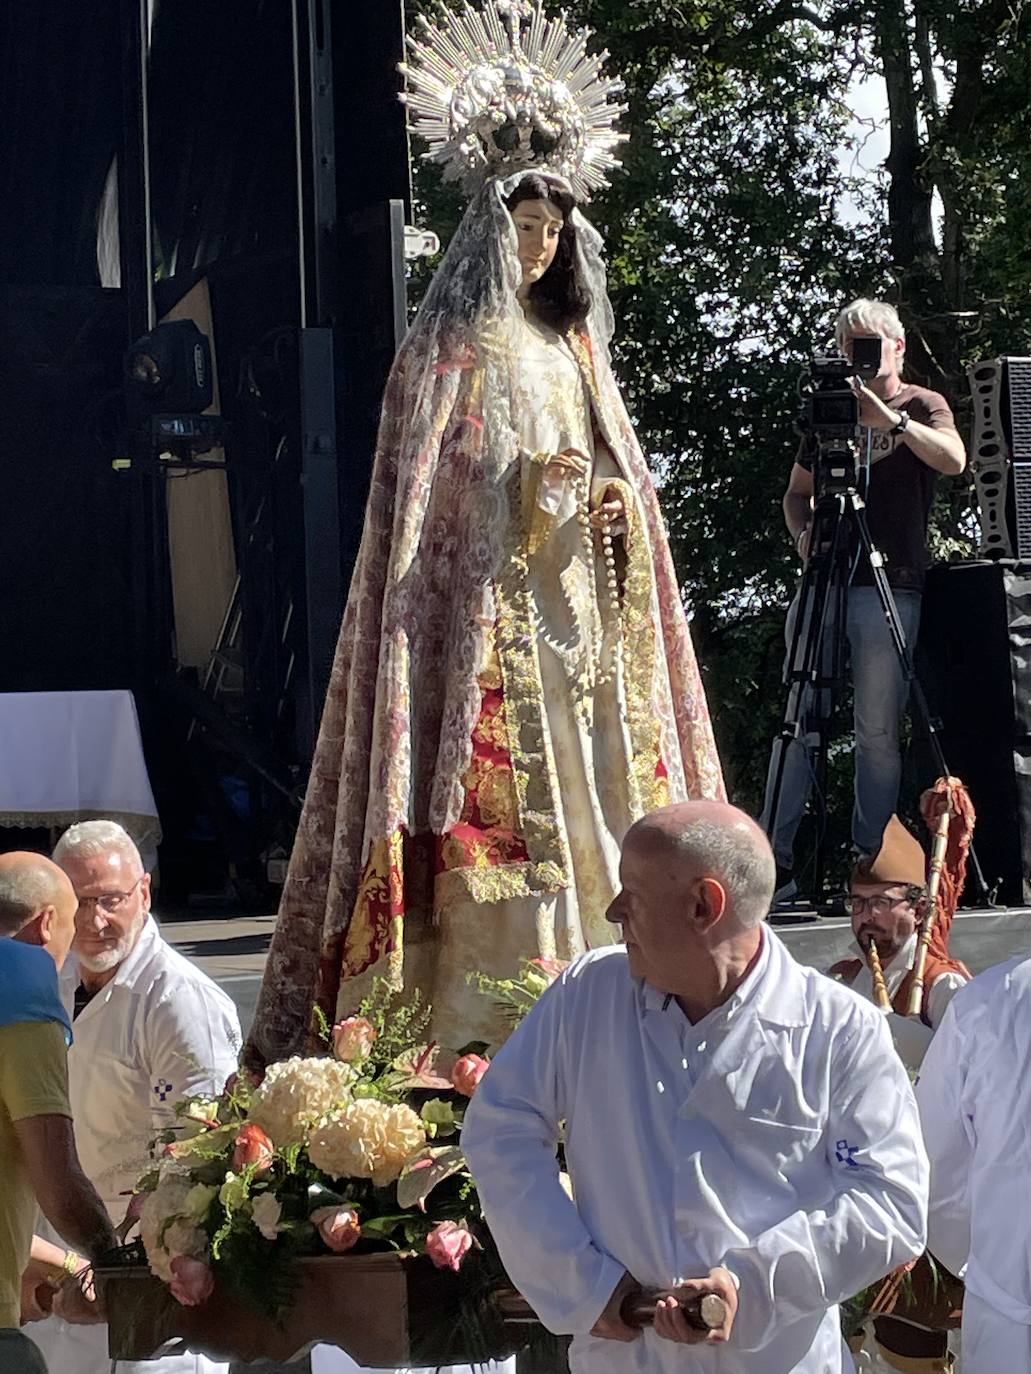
(569, 463)
(611, 515)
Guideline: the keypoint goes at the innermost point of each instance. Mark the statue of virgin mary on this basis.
(514, 683)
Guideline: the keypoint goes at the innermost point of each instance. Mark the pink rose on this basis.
(192, 1280)
(339, 1227)
(467, 1073)
(352, 1038)
(448, 1244)
(253, 1146)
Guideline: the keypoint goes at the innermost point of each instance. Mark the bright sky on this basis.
(869, 101)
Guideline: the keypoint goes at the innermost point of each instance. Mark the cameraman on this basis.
(910, 436)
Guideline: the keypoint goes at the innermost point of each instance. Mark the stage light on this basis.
(169, 370)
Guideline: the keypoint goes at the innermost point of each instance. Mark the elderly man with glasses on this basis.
(149, 1029)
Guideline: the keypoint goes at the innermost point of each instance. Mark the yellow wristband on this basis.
(57, 1278)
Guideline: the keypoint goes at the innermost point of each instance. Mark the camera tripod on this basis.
(816, 667)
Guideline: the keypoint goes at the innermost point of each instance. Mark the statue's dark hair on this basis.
(560, 298)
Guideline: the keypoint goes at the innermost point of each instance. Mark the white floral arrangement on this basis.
(356, 1148)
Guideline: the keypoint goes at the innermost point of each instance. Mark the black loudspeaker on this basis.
(975, 665)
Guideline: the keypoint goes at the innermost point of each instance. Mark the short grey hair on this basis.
(25, 891)
(876, 317)
(94, 839)
(736, 854)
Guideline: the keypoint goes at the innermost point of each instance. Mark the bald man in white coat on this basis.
(733, 1123)
(974, 1094)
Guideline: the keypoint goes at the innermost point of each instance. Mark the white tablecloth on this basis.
(70, 756)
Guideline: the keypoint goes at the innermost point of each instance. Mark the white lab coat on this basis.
(911, 1034)
(159, 1031)
(777, 1137)
(974, 1094)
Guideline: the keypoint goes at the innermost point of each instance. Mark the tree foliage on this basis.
(738, 227)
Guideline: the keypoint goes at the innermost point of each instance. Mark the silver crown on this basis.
(503, 89)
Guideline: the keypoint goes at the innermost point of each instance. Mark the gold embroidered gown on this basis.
(587, 745)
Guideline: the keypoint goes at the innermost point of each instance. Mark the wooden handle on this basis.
(938, 848)
(705, 1311)
(880, 987)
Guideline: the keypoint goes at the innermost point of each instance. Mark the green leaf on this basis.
(423, 1173)
(207, 1145)
(383, 1225)
(423, 1066)
(319, 1195)
(322, 1027)
(439, 1117)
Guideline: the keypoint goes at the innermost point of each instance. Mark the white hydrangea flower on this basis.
(165, 1227)
(296, 1093)
(182, 1237)
(367, 1139)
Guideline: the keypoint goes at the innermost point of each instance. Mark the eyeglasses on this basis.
(878, 905)
(110, 902)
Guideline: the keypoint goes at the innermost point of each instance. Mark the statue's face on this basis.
(538, 225)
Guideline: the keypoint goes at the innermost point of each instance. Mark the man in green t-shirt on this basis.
(38, 1161)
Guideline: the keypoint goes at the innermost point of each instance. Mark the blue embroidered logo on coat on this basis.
(844, 1153)
(161, 1089)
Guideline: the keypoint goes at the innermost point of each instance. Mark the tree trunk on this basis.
(909, 200)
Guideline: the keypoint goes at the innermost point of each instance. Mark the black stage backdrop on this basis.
(74, 543)
(224, 200)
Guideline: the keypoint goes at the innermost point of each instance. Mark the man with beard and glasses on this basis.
(887, 903)
(149, 1029)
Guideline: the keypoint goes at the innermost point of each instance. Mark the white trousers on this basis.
(83, 1350)
(329, 1359)
(71, 1349)
(992, 1343)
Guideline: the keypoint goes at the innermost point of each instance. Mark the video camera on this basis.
(829, 415)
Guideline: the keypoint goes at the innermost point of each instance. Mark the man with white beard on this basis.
(149, 1029)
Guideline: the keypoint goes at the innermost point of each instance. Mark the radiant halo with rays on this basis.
(504, 88)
